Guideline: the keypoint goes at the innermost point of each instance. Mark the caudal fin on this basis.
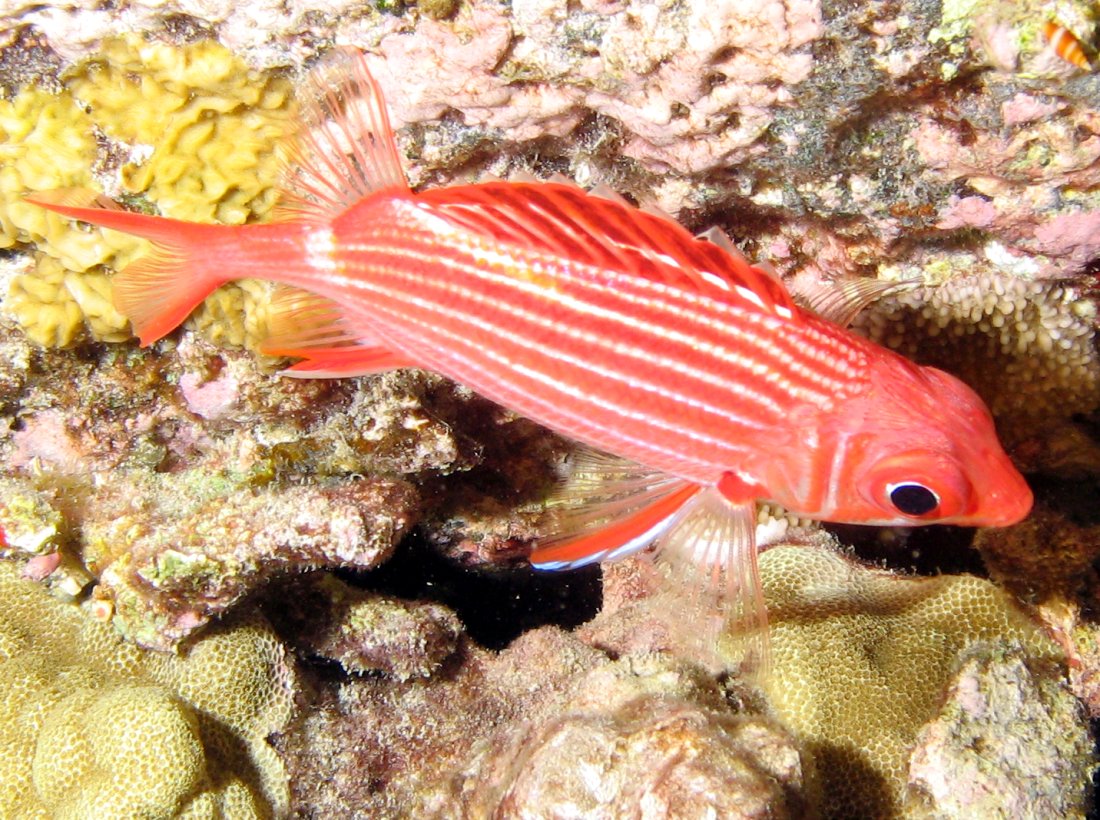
(160, 290)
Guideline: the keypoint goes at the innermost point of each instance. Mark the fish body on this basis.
(603, 322)
(1065, 44)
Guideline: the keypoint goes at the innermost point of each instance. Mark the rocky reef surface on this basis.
(309, 599)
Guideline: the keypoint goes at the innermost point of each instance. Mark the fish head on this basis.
(918, 446)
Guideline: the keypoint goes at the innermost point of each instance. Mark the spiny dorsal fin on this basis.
(345, 147)
(844, 298)
(563, 220)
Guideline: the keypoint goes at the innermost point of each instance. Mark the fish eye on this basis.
(910, 498)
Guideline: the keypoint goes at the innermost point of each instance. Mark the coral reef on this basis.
(493, 736)
(863, 662)
(862, 659)
(1028, 348)
(638, 736)
(188, 129)
(956, 773)
(364, 631)
(168, 573)
(946, 144)
(95, 727)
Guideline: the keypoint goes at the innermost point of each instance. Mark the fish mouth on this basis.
(1007, 505)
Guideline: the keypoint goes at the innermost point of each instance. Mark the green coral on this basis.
(861, 660)
(190, 129)
(95, 727)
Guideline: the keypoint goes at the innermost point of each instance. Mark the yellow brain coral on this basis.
(190, 129)
(862, 658)
(94, 727)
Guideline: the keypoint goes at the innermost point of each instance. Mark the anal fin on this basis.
(623, 535)
(310, 327)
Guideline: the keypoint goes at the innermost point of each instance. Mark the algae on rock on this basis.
(188, 129)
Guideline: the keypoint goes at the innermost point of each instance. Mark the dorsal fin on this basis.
(344, 149)
(563, 220)
(845, 297)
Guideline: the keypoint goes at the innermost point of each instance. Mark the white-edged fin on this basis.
(709, 559)
(656, 210)
(842, 299)
(716, 236)
(345, 148)
(558, 178)
(607, 508)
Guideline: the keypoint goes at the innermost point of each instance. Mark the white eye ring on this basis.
(913, 498)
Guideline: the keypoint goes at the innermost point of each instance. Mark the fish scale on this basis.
(446, 300)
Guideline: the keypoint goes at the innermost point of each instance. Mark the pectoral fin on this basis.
(704, 539)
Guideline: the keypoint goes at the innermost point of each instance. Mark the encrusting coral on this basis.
(1028, 348)
(94, 727)
(365, 631)
(643, 736)
(168, 572)
(189, 129)
(862, 659)
(954, 772)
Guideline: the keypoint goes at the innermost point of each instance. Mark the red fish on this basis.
(708, 384)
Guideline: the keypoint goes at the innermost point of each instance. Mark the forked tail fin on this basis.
(160, 290)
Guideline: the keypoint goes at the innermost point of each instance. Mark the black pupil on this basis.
(913, 499)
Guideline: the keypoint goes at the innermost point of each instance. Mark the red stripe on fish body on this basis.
(689, 381)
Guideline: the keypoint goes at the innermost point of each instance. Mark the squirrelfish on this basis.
(706, 385)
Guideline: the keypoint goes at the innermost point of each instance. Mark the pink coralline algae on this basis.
(694, 85)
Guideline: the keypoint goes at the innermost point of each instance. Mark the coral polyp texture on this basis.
(94, 727)
(862, 661)
(1028, 348)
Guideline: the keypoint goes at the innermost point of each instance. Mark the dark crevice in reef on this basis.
(932, 550)
(497, 606)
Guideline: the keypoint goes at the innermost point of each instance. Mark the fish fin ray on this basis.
(605, 191)
(344, 362)
(300, 319)
(317, 330)
(157, 292)
(844, 298)
(605, 508)
(709, 560)
(345, 148)
(564, 220)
